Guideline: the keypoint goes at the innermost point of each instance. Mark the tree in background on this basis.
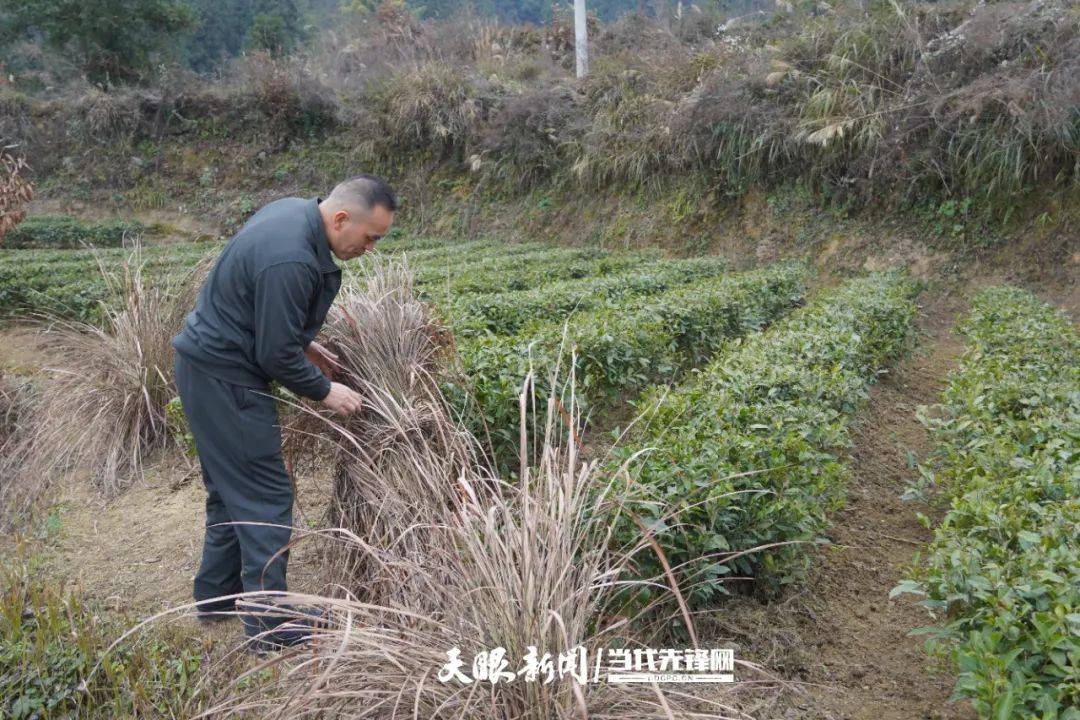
(113, 39)
(219, 31)
(225, 28)
(276, 27)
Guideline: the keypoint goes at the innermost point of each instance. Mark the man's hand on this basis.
(323, 359)
(342, 399)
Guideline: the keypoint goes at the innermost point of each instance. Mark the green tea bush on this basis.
(51, 650)
(69, 283)
(619, 349)
(505, 313)
(53, 232)
(521, 271)
(779, 406)
(1004, 565)
(468, 251)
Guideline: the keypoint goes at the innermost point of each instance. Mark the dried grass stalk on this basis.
(389, 346)
(15, 190)
(12, 404)
(15, 404)
(512, 566)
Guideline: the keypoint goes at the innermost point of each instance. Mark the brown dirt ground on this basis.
(140, 551)
(19, 351)
(869, 667)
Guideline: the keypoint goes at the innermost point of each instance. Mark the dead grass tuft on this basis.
(390, 347)
(102, 410)
(15, 414)
(15, 190)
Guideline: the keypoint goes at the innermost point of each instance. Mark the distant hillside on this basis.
(958, 113)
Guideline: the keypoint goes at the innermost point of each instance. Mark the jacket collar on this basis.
(318, 237)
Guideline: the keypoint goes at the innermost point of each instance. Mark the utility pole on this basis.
(581, 39)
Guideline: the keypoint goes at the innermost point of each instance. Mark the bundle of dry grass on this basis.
(389, 345)
(11, 403)
(523, 567)
(15, 400)
(103, 409)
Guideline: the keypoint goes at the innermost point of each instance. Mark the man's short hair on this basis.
(364, 191)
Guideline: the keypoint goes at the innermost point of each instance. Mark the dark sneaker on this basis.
(299, 628)
(210, 614)
(213, 618)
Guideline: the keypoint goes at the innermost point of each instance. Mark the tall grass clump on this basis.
(390, 349)
(628, 141)
(13, 401)
(102, 410)
(435, 108)
(15, 190)
(533, 136)
(939, 103)
(285, 98)
(15, 417)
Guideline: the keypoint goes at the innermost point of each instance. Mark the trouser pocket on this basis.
(259, 424)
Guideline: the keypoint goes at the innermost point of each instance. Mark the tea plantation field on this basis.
(747, 386)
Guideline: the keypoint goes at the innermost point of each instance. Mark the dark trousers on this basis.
(239, 444)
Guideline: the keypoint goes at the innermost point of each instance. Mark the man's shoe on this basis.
(211, 614)
(279, 639)
(295, 631)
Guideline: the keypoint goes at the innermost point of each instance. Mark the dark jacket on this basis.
(265, 300)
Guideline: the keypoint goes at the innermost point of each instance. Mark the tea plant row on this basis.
(70, 283)
(506, 313)
(618, 350)
(743, 461)
(54, 232)
(1004, 565)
